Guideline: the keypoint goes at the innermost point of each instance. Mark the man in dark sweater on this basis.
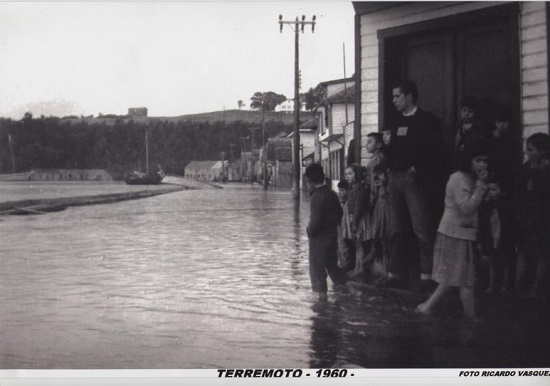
(417, 168)
(325, 215)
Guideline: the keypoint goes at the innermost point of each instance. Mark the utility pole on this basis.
(298, 25)
(11, 151)
(264, 153)
(231, 146)
(243, 150)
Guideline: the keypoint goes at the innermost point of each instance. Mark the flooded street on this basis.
(213, 279)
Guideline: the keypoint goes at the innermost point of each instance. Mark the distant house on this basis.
(279, 161)
(206, 170)
(137, 112)
(69, 175)
(335, 115)
(288, 106)
(308, 131)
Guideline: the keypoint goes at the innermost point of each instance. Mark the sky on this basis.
(174, 58)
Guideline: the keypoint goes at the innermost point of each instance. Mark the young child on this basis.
(375, 147)
(325, 214)
(346, 259)
(501, 144)
(454, 248)
(534, 218)
(354, 223)
(497, 234)
(470, 129)
(380, 223)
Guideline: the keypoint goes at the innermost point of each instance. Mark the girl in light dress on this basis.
(354, 221)
(380, 231)
(455, 247)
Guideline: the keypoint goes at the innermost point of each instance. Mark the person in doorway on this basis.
(533, 200)
(417, 175)
(455, 247)
(501, 144)
(325, 214)
(497, 234)
(470, 129)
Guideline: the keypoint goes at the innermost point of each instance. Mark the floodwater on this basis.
(216, 279)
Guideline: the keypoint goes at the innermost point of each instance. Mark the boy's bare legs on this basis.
(359, 258)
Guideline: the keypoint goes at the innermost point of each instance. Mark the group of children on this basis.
(493, 223)
(366, 223)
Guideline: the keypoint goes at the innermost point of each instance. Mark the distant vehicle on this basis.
(148, 178)
(139, 178)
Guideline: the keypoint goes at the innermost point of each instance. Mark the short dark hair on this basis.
(541, 142)
(470, 101)
(503, 114)
(315, 173)
(472, 151)
(343, 184)
(378, 137)
(407, 87)
(357, 171)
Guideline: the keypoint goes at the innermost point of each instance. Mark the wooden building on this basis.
(497, 51)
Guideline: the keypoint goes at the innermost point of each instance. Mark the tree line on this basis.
(120, 147)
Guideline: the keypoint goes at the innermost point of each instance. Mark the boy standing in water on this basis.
(325, 215)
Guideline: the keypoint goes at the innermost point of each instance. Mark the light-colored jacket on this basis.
(463, 197)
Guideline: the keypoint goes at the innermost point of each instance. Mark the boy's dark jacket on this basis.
(325, 212)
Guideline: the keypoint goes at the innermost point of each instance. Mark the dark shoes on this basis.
(388, 282)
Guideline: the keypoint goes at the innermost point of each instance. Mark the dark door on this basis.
(429, 62)
(448, 63)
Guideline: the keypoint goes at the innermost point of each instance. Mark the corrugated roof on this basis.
(347, 95)
(310, 124)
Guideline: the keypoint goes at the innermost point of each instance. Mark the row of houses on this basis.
(497, 51)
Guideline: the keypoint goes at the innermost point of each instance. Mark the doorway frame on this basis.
(509, 12)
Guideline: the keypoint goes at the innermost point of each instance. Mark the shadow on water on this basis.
(381, 331)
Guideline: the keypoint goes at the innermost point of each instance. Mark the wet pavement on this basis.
(219, 279)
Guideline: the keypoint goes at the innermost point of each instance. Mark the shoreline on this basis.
(46, 205)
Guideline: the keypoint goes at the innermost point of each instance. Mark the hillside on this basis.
(214, 116)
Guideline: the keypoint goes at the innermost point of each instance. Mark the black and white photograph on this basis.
(350, 186)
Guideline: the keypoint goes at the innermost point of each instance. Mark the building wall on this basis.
(534, 66)
(339, 116)
(69, 175)
(307, 138)
(348, 136)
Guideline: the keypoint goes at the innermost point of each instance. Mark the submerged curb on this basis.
(40, 206)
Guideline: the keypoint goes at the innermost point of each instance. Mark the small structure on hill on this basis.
(137, 112)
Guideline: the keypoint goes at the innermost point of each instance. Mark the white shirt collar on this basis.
(413, 111)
